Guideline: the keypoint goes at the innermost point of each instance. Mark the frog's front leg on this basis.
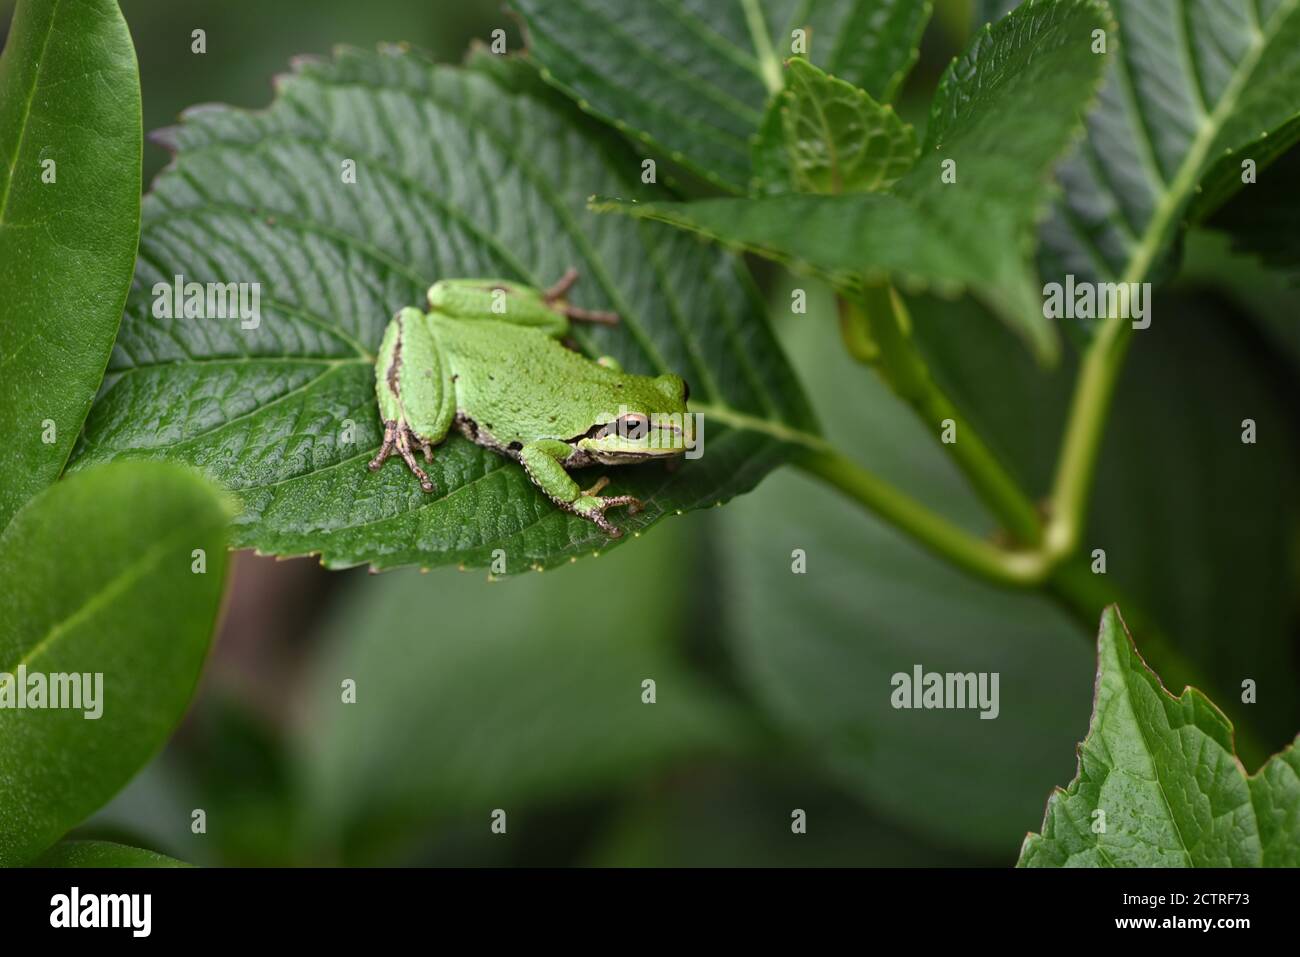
(417, 399)
(542, 461)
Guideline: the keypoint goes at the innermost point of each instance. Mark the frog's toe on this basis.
(593, 508)
(399, 438)
(605, 525)
(633, 503)
(390, 443)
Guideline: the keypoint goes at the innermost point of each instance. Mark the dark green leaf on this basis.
(1264, 218)
(692, 77)
(96, 577)
(1192, 85)
(822, 135)
(1158, 782)
(1267, 297)
(70, 114)
(1003, 114)
(505, 701)
(1227, 177)
(102, 854)
(456, 177)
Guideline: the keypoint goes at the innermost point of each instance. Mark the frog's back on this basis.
(521, 385)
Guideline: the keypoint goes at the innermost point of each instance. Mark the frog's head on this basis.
(651, 422)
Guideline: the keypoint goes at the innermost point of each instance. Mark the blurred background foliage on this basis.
(772, 688)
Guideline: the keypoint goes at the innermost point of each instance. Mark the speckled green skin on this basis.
(487, 358)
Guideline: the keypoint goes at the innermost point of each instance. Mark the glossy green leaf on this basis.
(1192, 87)
(456, 175)
(75, 853)
(1158, 782)
(97, 577)
(468, 699)
(818, 650)
(69, 220)
(1004, 112)
(822, 135)
(692, 77)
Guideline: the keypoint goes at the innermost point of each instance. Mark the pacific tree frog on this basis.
(488, 358)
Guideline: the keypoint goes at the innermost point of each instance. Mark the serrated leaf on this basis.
(1192, 85)
(102, 854)
(692, 77)
(822, 135)
(1004, 112)
(1159, 784)
(497, 703)
(126, 603)
(69, 219)
(456, 176)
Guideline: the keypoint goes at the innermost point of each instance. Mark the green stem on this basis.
(933, 531)
(768, 64)
(876, 328)
(1086, 426)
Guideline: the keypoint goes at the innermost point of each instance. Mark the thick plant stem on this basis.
(876, 330)
(1085, 428)
(933, 531)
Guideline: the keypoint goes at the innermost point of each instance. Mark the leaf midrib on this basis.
(769, 66)
(1185, 180)
(114, 587)
(27, 110)
(1128, 676)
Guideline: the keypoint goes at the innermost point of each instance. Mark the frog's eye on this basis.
(634, 425)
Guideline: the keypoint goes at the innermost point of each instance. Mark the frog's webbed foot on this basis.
(398, 437)
(554, 296)
(592, 507)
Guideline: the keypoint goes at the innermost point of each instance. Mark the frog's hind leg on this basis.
(415, 392)
(544, 463)
(554, 297)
